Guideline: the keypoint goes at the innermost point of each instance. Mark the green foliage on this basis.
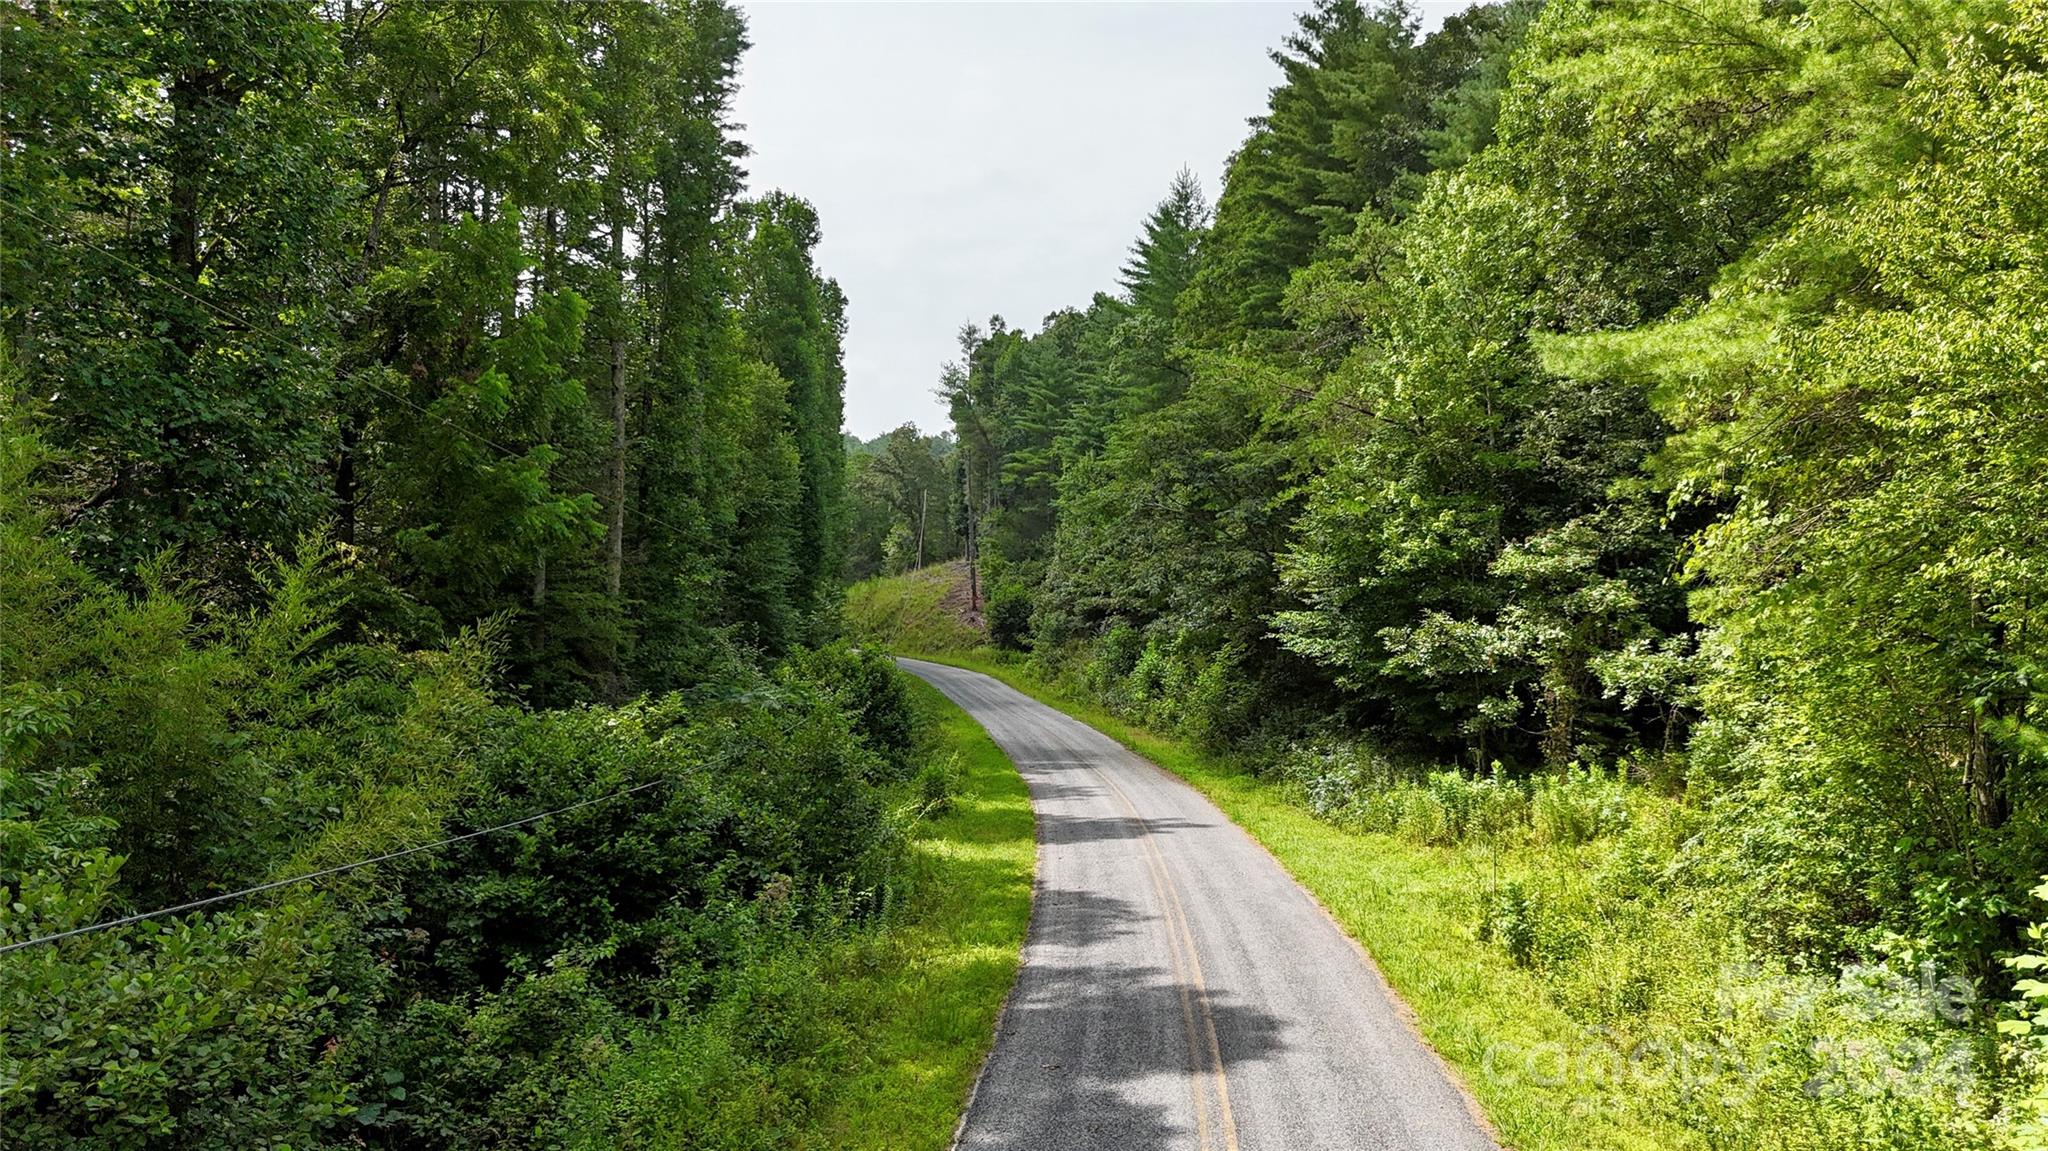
(1508, 919)
(1577, 809)
(409, 440)
(178, 196)
(866, 687)
(2028, 1032)
(450, 994)
(937, 782)
(921, 612)
(899, 505)
(1163, 260)
(796, 320)
(1592, 995)
(1340, 132)
(1218, 712)
(471, 291)
(1861, 382)
(1009, 615)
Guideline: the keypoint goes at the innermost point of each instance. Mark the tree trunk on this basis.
(973, 571)
(1984, 774)
(345, 478)
(615, 531)
(924, 503)
(1984, 769)
(615, 493)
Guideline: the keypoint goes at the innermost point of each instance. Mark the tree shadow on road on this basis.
(1095, 1053)
(1060, 830)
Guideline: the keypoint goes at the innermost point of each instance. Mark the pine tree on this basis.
(1338, 137)
(1163, 260)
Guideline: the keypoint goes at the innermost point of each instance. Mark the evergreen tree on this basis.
(1163, 260)
(795, 320)
(1344, 126)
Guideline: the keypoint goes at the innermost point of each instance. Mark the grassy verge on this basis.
(930, 989)
(1413, 908)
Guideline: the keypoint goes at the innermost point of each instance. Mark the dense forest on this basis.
(467, 290)
(1582, 397)
(410, 439)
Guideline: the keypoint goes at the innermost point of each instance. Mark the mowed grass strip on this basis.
(1541, 1079)
(930, 988)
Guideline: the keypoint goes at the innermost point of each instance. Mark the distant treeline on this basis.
(903, 502)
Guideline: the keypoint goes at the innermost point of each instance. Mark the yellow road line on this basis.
(1180, 976)
(1180, 935)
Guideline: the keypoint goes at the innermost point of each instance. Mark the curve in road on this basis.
(1179, 989)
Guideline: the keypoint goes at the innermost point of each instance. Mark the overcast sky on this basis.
(971, 160)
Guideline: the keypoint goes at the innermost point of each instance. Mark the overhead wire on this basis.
(338, 869)
(224, 897)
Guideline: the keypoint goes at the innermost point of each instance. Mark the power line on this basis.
(176, 909)
(324, 872)
(246, 325)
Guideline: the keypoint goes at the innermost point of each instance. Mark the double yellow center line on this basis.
(1187, 976)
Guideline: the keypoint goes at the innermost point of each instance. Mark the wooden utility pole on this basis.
(973, 573)
(924, 504)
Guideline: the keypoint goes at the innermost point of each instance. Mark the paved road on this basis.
(1179, 989)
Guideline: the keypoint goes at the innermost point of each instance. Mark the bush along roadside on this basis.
(778, 910)
(850, 1035)
(1570, 944)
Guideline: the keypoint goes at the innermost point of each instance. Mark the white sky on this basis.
(970, 160)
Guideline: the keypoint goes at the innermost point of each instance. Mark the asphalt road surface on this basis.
(1179, 989)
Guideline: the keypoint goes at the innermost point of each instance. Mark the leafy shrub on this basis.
(1792, 858)
(1337, 781)
(2027, 1032)
(1420, 817)
(937, 782)
(1507, 917)
(1009, 616)
(1217, 713)
(1359, 787)
(1484, 808)
(868, 689)
(1146, 682)
(484, 1072)
(438, 1001)
(1865, 1060)
(1115, 655)
(744, 1074)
